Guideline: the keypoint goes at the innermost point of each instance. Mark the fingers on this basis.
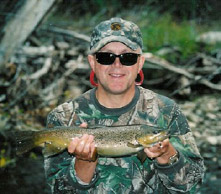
(83, 148)
(84, 125)
(158, 149)
(73, 144)
(86, 145)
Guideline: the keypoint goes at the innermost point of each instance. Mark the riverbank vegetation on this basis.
(182, 46)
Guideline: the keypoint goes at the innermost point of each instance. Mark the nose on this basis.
(117, 62)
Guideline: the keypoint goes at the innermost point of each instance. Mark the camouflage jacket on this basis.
(127, 174)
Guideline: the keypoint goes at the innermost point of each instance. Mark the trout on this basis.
(110, 141)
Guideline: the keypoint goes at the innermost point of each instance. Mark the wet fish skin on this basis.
(148, 141)
(110, 141)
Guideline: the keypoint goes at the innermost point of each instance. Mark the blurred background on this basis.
(43, 62)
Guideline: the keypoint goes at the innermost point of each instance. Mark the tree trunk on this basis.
(21, 26)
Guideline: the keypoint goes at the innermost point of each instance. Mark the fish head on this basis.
(150, 139)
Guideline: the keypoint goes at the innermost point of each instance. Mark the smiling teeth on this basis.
(116, 75)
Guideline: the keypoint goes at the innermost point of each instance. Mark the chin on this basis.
(117, 90)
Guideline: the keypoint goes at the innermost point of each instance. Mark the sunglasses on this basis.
(106, 58)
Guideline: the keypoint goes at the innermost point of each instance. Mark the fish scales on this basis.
(110, 141)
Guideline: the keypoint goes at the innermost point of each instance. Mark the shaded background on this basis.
(174, 33)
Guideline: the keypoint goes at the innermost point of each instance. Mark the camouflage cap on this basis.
(116, 30)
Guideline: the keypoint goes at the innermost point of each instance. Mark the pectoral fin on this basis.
(131, 145)
(141, 156)
(51, 150)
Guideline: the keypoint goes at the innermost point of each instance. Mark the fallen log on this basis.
(171, 67)
(66, 32)
(42, 71)
(31, 51)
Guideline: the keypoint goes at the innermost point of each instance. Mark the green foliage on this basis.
(163, 31)
(173, 24)
(182, 9)
(5, 158)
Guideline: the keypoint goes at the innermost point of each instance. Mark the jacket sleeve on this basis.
(188, 171)
(59, 168)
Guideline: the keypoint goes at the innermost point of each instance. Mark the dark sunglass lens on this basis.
(128, 58)
(105, 58)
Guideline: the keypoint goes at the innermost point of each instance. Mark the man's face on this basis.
(116, 78)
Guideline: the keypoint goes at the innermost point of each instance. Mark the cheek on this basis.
(134, 71)
(100, 71)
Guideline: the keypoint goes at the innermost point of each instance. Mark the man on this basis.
(171, 166)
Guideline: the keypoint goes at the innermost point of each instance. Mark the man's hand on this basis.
(161, 151)
(84, 150)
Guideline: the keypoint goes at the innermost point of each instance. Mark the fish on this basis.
(110, 141)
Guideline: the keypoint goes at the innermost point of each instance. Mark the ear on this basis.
(141, 62)
(91, 61)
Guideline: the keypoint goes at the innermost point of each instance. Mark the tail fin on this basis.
(25, 141)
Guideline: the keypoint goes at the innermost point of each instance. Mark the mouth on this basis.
(116, 75)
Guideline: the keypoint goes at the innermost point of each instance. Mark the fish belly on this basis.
(116, 150)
